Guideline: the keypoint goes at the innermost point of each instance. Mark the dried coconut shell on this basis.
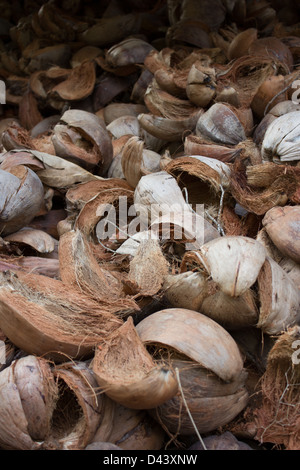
(276, 420)
(279, 299)
(56, 322)
(28, 396)
(196, 336)
(130, 429)
(283, 227)
(233, 263)
(80, 269)
(80, 402)
(133, 379)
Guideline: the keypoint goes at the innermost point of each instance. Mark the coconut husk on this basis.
(28, 113)
(279, 299)
(148, 268)
(287, 241)
(128, 378)
(31, 264)
(211, 402)
(58, 172)
(161, 103)
(233, 263)
(201, 176)
(82, 136)
(246, 74)
(277, 420)
(287, 264)
(78, 195)
(129, 429)
(28, 396)
(22, 197)
(39, 240)
(259, 200)
(176, 328)
(231, 312)
(79, 407)
(56, 322)
(196, 145)
(80, 269)
(94, 210)
(79, 84)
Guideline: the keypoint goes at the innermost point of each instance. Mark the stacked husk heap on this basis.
(150, 225)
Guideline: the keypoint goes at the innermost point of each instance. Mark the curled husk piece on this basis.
(192, 343)
(127, 373)
(42, 317)
(279, 392)
(82, 138)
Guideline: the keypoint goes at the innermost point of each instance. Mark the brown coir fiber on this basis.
(43, 316)
(278, 419)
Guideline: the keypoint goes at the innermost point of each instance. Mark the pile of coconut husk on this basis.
(150, 225)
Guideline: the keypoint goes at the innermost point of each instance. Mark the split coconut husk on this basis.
(128, 429)
(137, 161)
(22, 197)
(126, 372)
(287, 240)
(277, 420)
(79, 268)
(170, 332)
(56, 322)
(47, 407)
(39, 240)
(203, 178)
